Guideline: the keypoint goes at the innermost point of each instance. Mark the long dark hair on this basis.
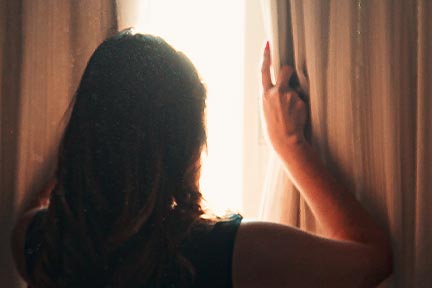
(128, 167)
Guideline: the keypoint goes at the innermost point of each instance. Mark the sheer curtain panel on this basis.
(367, 68)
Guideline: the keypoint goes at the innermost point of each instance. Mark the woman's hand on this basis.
(41, 198)
(284, 112)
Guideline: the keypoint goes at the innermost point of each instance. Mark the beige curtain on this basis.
(367, 69)
(44, 47)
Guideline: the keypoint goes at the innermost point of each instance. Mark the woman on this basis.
(125, 209)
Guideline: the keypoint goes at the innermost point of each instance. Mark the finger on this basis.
(284, 76)
(265, 69)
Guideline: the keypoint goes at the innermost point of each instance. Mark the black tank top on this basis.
(209, 250)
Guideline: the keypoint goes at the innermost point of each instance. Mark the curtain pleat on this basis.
(366, 66)
(423, 191)
(10, 62)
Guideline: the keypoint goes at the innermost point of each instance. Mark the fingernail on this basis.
(267, 47)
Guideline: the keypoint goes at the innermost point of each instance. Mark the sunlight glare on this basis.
(210, 33)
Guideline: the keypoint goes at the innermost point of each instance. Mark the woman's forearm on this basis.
(340, 215)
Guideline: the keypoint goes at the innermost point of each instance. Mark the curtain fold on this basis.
(366, 66)
(44, 48)
(10, 61)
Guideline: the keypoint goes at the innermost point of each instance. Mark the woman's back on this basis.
(209, 248)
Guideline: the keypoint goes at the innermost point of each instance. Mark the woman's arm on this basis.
(339, 214)
(38, 201)
(18, 241)
(41, 198)
(355, 251)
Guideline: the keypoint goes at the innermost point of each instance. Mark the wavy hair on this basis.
(127, 190)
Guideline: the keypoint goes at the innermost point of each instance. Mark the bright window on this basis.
(211, 34)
